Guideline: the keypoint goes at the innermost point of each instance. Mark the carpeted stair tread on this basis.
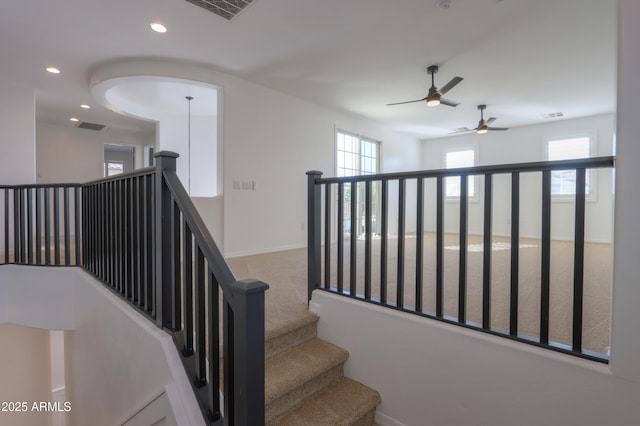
(281, 336)
(299, 365)
(276, 326)
(343, 404)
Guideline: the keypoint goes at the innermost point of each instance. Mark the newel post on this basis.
(313, 231)
(165, 160)
(244, 364)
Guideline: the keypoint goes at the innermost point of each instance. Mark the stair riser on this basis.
(295, 396)
(280, 344)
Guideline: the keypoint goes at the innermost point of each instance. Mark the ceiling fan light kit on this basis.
(484, 125)
(434, 97)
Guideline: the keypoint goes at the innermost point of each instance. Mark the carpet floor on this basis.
(286, 273)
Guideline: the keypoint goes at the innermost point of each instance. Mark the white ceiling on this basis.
(523, 58)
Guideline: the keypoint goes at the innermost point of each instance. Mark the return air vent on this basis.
(91, 126)
(228, 9)
(553, 115)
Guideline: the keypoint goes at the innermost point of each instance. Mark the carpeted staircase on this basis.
(305, 384)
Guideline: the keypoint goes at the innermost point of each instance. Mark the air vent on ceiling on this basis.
(91, 126)
(553, 115)
(228, 9)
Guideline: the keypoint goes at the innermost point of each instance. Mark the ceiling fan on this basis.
(435, 95)
(483, 125)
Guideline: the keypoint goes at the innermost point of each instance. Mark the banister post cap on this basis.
(169, 154)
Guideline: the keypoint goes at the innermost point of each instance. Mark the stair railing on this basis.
(141, 235)
(342, 212)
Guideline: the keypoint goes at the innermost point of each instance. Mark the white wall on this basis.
(274, 139)
(521, 145)
(438, 374)
(625, 339)
(68, 154)
(116, 361)
(18, 142)
(24, 369)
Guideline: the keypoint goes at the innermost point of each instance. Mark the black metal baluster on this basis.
(187, 261)
(86, 226)
(78, 224)
(6, 225)
(132, 239)
(462, 264)
(148, 245)
(384, 223)
(546, 257)
(402, 185)
(118, 234)
(340, 236)
(214, 345)
(486, 266)
(56, 225)
(151, 236)
(67, 227)
(578, 259)
(16, 226)
(29, 214)
(38, 244)
(419, 242)
(139, 240)
(126, 238)
(175, 256)
(367, 241)
(200, 320)
(515, 253)
(100, 231)
(439, 246)
(47, 227)
(113, 233)
(327, 236)
(353, 246)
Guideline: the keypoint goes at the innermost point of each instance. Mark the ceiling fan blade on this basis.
(491, 120)
(450, 85)
(408, 102)
(449, 102)
(462, 130)
(498, 128)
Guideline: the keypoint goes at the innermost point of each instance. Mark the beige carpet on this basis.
(286, 273)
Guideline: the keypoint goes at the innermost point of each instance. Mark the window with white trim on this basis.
(457, 158)
(356, 156)
(563, 182)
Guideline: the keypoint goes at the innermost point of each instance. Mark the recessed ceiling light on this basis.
(159, 28)
(85, 106)
(53, 70)
(74, 119)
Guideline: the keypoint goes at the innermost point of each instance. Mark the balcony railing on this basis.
(140, 234)
(367, 240)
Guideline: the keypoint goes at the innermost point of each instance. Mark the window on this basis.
(563, 182)
(113, 168)
(455, 159)
(356, 155)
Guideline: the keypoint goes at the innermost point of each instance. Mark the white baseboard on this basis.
(262, 251)
(384, 420)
